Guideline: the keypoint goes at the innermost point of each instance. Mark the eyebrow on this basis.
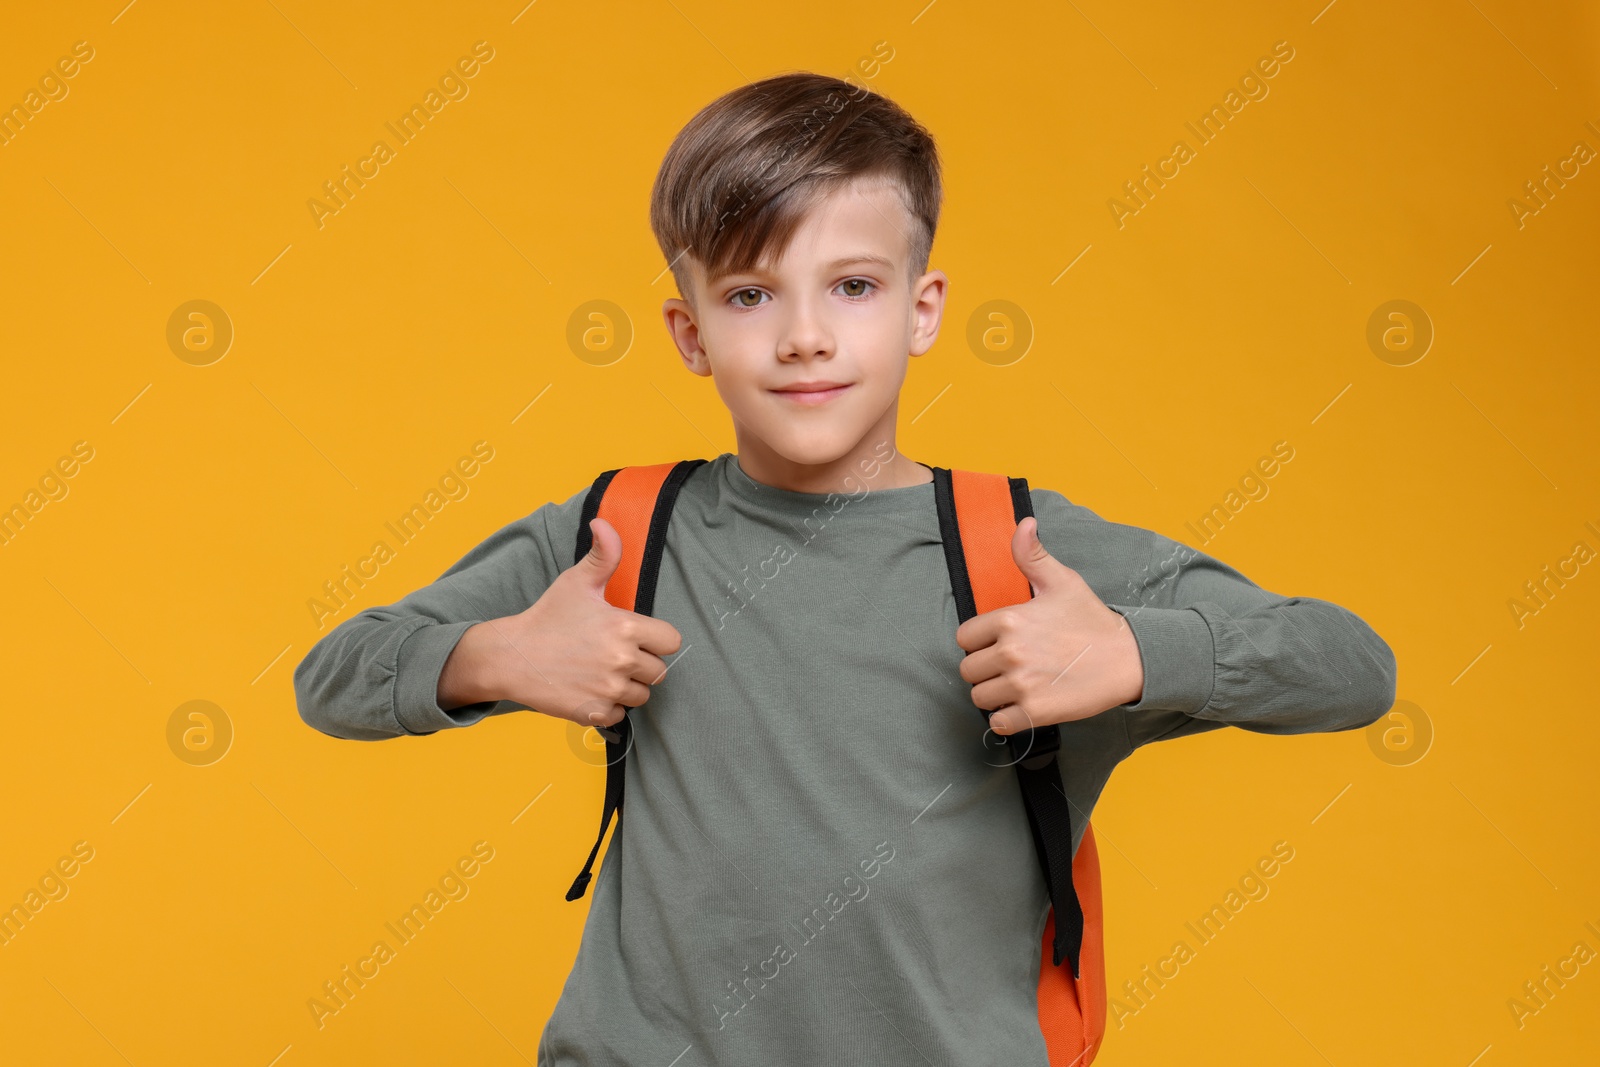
(842, 261)
(861, 257)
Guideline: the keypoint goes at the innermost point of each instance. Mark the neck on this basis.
(875, 462)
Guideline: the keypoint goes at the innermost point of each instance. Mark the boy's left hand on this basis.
(1061, 656)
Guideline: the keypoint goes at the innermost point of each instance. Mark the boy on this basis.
(825, 862)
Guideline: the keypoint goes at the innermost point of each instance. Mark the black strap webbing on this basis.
(619, 738)
(1033, 751)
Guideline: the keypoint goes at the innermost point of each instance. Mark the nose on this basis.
(806, 333)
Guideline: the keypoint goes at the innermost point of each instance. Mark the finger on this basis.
(634, 693)
(995, 693)
(598, 713)
(658, 636)
(1043, 571)
(648, 669)
(980, 631)
(1011, 719)
(605, 552)
(983, 664)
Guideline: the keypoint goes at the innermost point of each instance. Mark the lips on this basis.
(819, 392)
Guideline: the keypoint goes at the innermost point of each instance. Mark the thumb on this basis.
(605, 552)
(1034, 561)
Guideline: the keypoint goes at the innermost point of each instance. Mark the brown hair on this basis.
(741, 175)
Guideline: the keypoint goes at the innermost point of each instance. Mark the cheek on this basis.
(733, 341)
(881, 344)
(735, 362)
(738, 397)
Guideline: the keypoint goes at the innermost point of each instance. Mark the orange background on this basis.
(1230, 313)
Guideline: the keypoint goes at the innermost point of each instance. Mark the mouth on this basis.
(813, 392)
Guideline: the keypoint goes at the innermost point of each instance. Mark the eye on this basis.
(856, 288)
(739, 298)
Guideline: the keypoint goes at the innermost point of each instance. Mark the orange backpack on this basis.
(978, 513)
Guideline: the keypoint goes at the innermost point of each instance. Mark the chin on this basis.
(815, 447)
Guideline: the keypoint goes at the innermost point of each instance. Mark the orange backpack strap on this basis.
(1072, 1012)
(637, 501)
(978, 515)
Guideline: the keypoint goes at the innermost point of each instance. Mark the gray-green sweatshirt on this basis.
(821, 862)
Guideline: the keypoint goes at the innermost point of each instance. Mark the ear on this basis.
(927, 310)
(679, 316)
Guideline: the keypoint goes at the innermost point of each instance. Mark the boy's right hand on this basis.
(570, 654)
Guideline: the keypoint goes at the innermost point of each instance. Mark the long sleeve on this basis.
(376, 675)
(1217, 649)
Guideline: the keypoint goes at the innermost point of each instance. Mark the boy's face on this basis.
(838, 308)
